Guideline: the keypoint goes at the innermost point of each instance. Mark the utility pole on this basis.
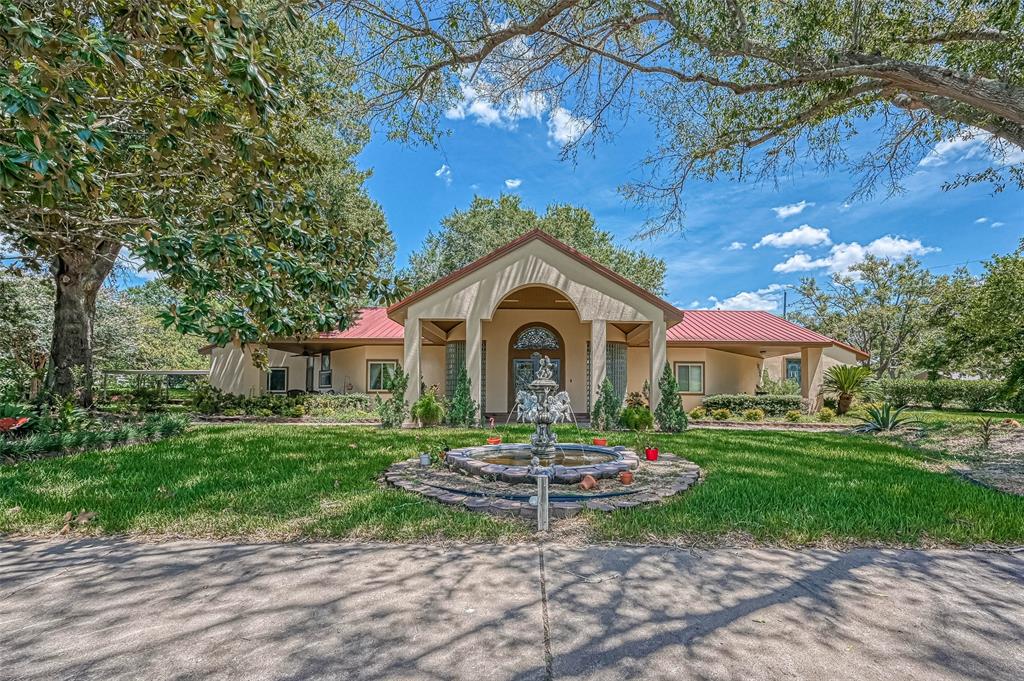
(785, 304)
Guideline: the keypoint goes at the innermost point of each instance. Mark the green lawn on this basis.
(279, 481)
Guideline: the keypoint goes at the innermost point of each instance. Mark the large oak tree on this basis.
(212, 141)
(734, 87)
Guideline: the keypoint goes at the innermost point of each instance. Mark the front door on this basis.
(527, 345)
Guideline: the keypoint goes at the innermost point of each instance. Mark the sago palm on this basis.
(845, 382)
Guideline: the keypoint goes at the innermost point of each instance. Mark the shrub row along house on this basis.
(537, 295)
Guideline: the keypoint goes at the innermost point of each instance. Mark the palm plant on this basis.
(844, 382)
(884, 418)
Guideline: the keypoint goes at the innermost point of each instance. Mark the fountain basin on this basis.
(569, 463)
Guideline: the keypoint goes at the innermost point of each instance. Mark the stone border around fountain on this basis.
(465, 460)
(407, 474)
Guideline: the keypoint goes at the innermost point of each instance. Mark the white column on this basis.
(598, 357)
(812, 372)
(411, 365)
(473, 357)
(659, 354)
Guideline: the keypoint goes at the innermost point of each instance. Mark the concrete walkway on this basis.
(114, 609)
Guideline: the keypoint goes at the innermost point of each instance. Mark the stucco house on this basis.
(537, 295)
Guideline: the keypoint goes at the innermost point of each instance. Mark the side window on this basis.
(378, 374)
(277, 379)
(690, 377)
(793, 370)
(326, 379)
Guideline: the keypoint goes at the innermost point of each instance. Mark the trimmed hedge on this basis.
(973, 395)
(772, 405)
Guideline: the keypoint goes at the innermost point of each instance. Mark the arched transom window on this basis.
(536, 338)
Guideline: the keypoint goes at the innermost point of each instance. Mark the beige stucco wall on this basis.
(830, 357)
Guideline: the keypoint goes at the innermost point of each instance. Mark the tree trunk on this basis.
(78, 277)
(843, 403)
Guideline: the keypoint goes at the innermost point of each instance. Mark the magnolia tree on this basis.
(210, 142)
(735, 87)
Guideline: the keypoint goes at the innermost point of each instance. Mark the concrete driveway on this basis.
(115, 609)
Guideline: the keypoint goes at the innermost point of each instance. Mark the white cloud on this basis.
(481, 108)
(843, 256)
(981, 221)
(766, 299)
(564, 128)
(998, 224)
(804, 235)
(736, 246)
(969, 144)
(513, 183)
(783, 212)
(445, 173)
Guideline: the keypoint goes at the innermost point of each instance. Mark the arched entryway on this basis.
(525, 347)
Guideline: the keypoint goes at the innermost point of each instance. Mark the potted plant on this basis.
(494, 437)
(601, 441)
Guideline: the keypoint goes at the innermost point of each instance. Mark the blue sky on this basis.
(743, 242)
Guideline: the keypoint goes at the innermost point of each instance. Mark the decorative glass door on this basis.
(523, 372)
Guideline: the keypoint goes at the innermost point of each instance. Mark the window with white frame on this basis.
(378, 374)
(277, 379)
(326, 379)
(690, 377)
(793, 367)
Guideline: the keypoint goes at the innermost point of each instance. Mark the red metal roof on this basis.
(373, 324)
(745, 326)
(698, 326)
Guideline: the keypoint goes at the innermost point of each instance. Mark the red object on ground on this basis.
(588, 483)
(626, 477)
(601, 441)
(652, 453)
(11, 423)
(494, 440)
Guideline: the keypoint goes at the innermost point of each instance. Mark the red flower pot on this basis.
(601, 441)
(494, 440)
(626, 477)
(652, 453)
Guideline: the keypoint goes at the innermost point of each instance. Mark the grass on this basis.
(283, 482)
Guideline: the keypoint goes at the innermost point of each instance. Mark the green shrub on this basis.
(793, 415)
(773, 405)
(899, 391)
(428, 410)
(698, 413)
(721, 414)
(980, 395)
(392, 411)
(770, 386)
(825, 415)
(298, 411)
(605, 412)
(462, 412)
(753, 414)
(635, 399)
(670, 415)
(636, 418)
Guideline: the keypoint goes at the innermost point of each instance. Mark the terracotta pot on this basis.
(626, 477)
(588, 482)
(494, 440)
(601, 441)
(652, 453)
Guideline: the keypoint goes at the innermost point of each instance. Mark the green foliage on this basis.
(637, 418)
(986, 428)
(463, 409)
(223, 162)
(826, 415)
(721, 414)
(392, 411)
(468, 235)
(884, 418)
(845, 382)
(64, 438)
(698, 413)
(635, 399)
(770, 386)
(753, 415)
(428, 410)
(881, 306)
(974, 395)
(773, 405)
(669, 413)
(604, 414)
(794, 415)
